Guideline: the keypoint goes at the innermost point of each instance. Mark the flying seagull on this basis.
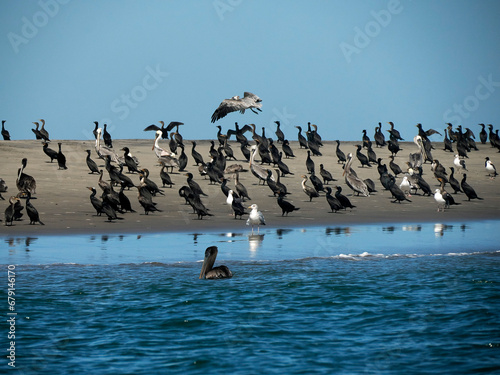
(249, 101)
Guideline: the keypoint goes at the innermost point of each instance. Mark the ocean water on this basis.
(392, 299)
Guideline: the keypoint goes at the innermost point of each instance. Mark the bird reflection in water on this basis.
(439, 229)
(254, 242)
(338, 231)
(20, 241)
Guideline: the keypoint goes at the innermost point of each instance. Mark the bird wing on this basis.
(173, 124)
(228, 106)
(152, 127)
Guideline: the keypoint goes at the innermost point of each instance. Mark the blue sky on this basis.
(343, 65)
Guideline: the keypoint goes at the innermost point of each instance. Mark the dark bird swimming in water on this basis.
(208, 271)
(249, 101)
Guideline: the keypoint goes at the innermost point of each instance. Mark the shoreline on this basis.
(63, 200)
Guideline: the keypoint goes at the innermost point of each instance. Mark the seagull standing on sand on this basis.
(490, 168)
(249, 101)
(459, 163)
(255, 217)
(438, 197)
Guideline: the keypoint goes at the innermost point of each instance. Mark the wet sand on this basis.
(62, 199)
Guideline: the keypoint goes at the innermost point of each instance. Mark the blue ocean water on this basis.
(392, 299)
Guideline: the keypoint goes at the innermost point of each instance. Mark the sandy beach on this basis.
(62, 198)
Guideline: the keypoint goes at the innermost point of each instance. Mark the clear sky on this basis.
(343, 65)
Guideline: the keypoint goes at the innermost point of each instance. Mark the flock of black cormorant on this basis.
(266, 163)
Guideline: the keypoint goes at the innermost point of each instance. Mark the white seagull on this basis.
(490, 168)
(249, 101)
(438, 197)
(255, 217)
(406, 186)
(459, 163)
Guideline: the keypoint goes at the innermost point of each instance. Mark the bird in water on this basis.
(249, 101)
(5, 132)
(286, 207)
(208, 271)
(467, 189)
(61, 159)
(52, 154)
(490, 168)
(32, 212)
(10, 210)
(255, 217)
